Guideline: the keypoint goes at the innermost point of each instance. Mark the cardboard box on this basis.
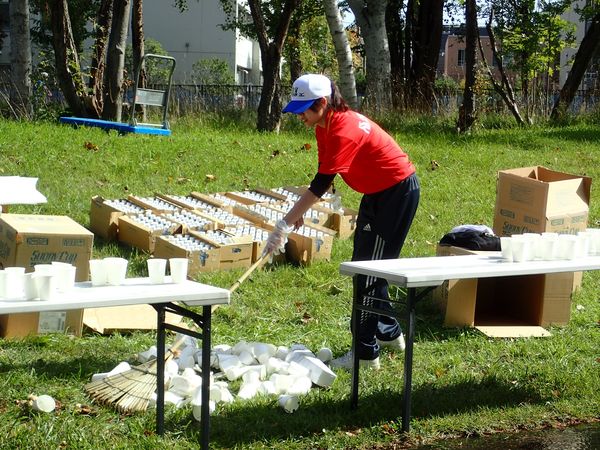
(301, 249)
(537, 199)
(254, 196)
(156, 204)
(198, 261)
(27, 240)
(233, 255)
(104, 216)
(133, 232)
(505, 306)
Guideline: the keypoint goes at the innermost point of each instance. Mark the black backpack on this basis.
(472, 240)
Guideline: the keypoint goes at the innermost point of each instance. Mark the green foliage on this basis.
(157, 72)
(81, 12)
(212, 71)
(464, 383)
(531, 34)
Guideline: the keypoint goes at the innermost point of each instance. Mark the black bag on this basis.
(472, 240)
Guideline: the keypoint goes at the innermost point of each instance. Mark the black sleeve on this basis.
(321, 183)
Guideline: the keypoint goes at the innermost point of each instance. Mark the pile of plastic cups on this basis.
(550, 246)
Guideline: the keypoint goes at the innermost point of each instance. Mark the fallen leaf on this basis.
(210, 177)
(306, 146)
(91, 146)
(434, 164)
(306, 318)
(182, 180)
(275, 153)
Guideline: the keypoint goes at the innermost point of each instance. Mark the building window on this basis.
(461, 57)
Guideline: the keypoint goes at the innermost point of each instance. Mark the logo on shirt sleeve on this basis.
(363, 123)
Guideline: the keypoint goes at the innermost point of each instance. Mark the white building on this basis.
(196, 34)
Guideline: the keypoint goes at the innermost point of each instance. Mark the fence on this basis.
(191, 98)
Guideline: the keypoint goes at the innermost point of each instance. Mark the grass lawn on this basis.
(463, 382)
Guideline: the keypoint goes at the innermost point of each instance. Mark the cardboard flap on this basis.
(513, 331)
(125, 318)
(567, 196)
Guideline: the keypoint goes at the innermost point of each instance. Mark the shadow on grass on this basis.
(265, 423)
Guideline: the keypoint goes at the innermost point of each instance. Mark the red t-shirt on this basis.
(366, 157)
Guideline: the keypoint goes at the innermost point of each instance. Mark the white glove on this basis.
(277, 238)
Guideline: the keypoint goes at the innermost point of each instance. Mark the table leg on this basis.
(408, 359)
(205, 408)
(355, 318)
(160, 371)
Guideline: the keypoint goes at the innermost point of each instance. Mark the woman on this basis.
(372, 163)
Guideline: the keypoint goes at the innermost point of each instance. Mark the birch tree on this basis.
(20, 58)
(370, 17)
(347, 81)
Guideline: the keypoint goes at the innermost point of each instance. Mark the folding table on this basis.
(421, 275)
(167, 297)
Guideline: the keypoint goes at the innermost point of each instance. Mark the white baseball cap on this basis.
(305, 90)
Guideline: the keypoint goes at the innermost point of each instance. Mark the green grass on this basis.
(463, 382)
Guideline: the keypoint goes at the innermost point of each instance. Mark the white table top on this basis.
(133, 292)
(433, 271)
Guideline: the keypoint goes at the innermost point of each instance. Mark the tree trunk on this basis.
(503, 88)
(68, 70)
(293, 49)
(115, 62)
(343, 53)
(426, 49)
(20, 58)
(466, 113)
(589, 45)
(96, 81)
(393, 25)
(269, 107)
(137, 43)
(370, 17)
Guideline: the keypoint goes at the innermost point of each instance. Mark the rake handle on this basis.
(259, 263)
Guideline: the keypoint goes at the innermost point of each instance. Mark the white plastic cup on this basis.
(520, 248)
(98, 273)
(65, 274)
(116, 270)
(46, 286)
(156, 270)
(505, 246)
(31, 291)
(594, 234)
(14, 282)
(567, 246)
(289, 403)
(548, 246)
(535, 246)
(179, 269)
(2, 284)
(44, 269)
(583, 243)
